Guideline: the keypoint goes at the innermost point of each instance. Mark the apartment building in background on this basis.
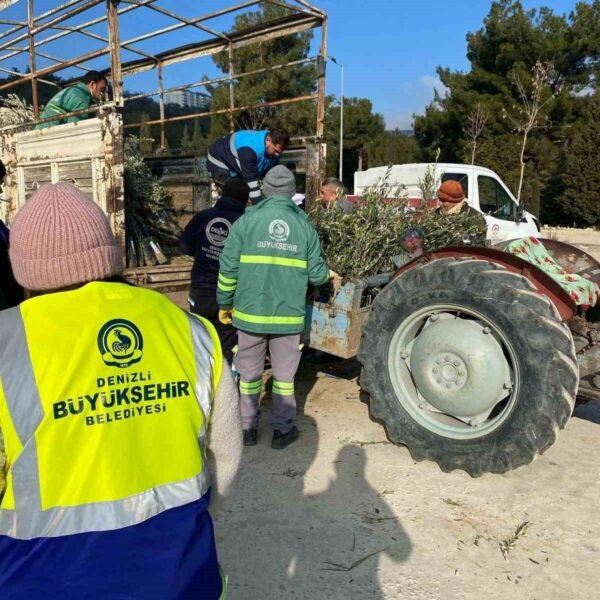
(187, 99)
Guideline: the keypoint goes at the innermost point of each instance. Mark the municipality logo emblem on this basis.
(217, 231)
(120, 343)
(279, 230)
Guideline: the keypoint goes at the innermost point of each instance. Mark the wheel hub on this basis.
(449, 371)
(459, 368)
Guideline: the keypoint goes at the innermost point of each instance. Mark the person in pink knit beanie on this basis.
(115, 406)
(60, 238)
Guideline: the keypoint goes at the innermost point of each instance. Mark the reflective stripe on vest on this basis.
(206, 382)
(217, 162)
(25, 412)
(259, 259)
(58, 110)
(234, 151)
(267, 320)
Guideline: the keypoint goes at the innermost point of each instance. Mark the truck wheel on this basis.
(468, 366)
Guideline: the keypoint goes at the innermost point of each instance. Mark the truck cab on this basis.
(483, 188)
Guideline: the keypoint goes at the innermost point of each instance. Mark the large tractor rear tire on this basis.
(468, 366)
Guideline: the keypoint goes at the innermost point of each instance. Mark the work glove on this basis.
(336, 281)
(225, 315)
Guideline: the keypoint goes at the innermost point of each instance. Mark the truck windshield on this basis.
(493, 198)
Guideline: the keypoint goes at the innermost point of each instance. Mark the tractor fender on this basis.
(543, 283)
(570, 257)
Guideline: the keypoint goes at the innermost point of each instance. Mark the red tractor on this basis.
(472, 357)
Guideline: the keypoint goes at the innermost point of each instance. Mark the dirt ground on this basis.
(586, 239)
(344, 515)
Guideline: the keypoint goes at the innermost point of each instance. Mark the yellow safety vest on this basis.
(105, 398)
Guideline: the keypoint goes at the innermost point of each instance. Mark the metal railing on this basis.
(302, 16)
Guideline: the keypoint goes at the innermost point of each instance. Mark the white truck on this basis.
(484, 189)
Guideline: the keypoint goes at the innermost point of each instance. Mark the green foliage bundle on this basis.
(14, 110)
(430, 183)
(363, 242)
(149, 211)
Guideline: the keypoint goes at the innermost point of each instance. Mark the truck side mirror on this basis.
(520, 212)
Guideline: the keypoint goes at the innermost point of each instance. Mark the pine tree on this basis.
(361, 128)
(580, 201)
(198, 143)
(393, 148)
(186, 141)
(298, 80)
(510, 42)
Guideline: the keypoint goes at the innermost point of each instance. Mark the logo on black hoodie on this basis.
(217, 231)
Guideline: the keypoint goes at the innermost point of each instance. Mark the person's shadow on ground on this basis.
(276, 540)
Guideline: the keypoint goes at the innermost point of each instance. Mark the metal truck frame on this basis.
(34, 158)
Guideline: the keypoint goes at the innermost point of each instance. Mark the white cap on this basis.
(298, 199)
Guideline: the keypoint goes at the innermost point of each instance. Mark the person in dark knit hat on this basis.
(114, 404)
(453, 201)
(204, 238)
(270, 257)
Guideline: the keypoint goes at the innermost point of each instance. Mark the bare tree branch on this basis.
(529, 113)
(476, 123)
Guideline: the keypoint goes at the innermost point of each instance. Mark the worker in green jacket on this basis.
(271, 255)
(77, 97)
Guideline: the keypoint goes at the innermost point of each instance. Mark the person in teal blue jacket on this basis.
(246, 154)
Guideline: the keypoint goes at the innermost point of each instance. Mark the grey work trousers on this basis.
(250, 363)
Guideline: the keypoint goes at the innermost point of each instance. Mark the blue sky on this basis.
(389, 48)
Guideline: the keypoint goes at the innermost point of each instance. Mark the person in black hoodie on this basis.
(204, 238)
(11, 292)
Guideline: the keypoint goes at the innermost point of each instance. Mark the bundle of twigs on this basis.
(149, 215)
(14, 110)
(363, 242)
